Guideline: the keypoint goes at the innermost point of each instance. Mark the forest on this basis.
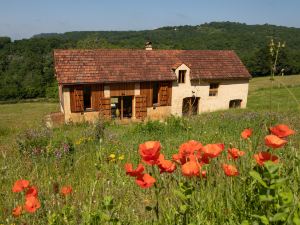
(26, 66)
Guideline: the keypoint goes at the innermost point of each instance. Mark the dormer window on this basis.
(213, 89)
(181, 76)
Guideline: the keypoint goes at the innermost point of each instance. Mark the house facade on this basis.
(148, 84)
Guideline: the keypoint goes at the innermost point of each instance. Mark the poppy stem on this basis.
(156, 208)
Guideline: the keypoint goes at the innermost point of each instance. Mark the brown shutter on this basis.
(163, 94)
(169, 93)
(140, 107)
(97, 93)
(76, 98)
(105, 107)
(147, 91)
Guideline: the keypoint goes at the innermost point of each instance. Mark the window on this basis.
(235, 103)
(155, 92)
(87, 97)
(213, 89)
(181, 76)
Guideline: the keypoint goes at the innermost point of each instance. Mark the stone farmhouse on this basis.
(148, 84)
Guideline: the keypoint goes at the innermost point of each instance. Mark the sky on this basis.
(24, 18)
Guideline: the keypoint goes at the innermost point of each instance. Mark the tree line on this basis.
(26, 66)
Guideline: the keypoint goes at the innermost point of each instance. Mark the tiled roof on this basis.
(108, 65)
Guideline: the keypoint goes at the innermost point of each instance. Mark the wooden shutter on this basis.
(164, 93)
(97, 93)
(76, 98)
(105, 107)
(140, 107)
(147, 91)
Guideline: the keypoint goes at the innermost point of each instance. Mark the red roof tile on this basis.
(109, 66)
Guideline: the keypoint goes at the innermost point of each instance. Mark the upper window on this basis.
(213, 89)
(181, 76)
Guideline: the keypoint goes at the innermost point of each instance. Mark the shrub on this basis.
(34, 141)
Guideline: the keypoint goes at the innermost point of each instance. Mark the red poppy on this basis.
(32, 191)
(213, 150)
(165, 165)
(262, 157)
(150, 151)
(204, 173)
(230, 170)
(17, 211)
(282, 130)
(190, 169)
(246, 133)
(20, 185)
(188, 148)
(273, 141)
(134, 173)
(66, 190)
(145, 180)
(32, 204)
(234, 153)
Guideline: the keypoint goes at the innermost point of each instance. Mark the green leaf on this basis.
(258, 178)
(183, 209)
(180, 195)
(279, 217)
(296, 219)
(272, 167)
(245, 222)
(286, 197)
(263, 219)
(266, 198)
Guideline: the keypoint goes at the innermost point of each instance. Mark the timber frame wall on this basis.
(101, 103)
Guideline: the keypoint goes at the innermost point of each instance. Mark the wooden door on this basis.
(140, 107)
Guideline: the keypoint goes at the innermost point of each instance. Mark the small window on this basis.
(155, 93)
(181, 76)
(235, 103)
(213, 89)
(87, 97)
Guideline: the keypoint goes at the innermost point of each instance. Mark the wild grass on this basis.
(94, 174)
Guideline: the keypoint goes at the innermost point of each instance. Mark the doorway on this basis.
(190, 106)
(121, 107)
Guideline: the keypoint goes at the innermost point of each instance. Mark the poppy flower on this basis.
(273, 141)
(66, 190)
(20, 185)
(32, 204)
(212, 150)
(134, 173)
(281, 130)
(145, 180)
(17, 211)
(190, 169)
(204, 173)
(234, 153)
(246, 133)
(189, 147)
(230, 170)
(262, 157)
(150, 151)
(32, 191)
(165, 165)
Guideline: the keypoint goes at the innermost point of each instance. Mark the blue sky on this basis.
(24, 18)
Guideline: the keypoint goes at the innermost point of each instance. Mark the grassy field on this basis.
(103, 194)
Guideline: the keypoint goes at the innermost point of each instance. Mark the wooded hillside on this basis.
(26, 66)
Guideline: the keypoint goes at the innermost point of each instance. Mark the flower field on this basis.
(232, 167)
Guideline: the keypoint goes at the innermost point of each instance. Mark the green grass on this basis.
(280, 81)
(218, 199)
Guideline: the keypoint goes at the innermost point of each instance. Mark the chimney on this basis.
(148, 46)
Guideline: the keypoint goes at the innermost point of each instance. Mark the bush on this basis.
(34, 141)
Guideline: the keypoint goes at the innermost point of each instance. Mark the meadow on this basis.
(91, 158)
